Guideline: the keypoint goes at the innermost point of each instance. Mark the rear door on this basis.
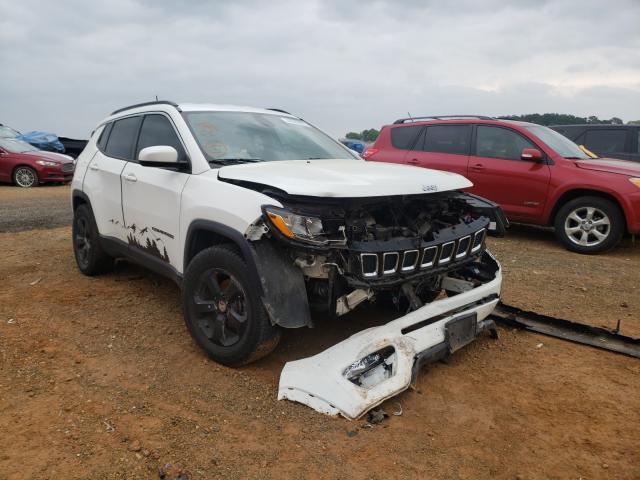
(442, 147)
(151, 196)
(499, 174)
(102, 180)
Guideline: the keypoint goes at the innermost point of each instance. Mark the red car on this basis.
(26, 166)
(537, 175)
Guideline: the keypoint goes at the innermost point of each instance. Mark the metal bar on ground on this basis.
(564, 329)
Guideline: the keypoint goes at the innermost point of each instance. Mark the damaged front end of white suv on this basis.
(332, 254)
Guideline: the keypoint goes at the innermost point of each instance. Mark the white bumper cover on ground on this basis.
(321, 381)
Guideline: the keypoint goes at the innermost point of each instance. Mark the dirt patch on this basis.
(100, 379)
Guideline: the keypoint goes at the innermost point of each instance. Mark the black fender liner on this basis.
(285, 293)
(277, 280)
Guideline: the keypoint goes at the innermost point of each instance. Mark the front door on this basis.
(499, 174)
(151, 196)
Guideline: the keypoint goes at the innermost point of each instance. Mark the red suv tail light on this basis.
(369, 152)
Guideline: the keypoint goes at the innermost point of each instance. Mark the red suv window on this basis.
(497, 142)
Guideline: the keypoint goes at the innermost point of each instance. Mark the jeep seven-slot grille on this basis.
(388, 263)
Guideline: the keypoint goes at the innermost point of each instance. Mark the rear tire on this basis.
(223, 311)
(25, 177)
(90, 257)
(589, 225)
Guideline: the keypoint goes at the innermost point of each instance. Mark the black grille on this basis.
(388, 263)
(67, 167)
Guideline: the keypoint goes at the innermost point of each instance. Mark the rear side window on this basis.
(123, 138)
(403, 137)
(447, 139)
(496, 142)
(104, 136)
(605, 140)
(158, 130)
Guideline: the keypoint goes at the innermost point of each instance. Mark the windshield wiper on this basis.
(235, 161)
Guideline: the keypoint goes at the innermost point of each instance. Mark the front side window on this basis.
(605, 141)
(232, 137)
(496, 142)
(158, 130)
(122, 138)
(447, 139)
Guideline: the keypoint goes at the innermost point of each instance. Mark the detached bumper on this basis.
(371, 366)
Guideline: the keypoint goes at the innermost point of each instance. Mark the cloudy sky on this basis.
(341, 64)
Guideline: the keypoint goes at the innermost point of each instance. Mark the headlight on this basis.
(299, 227)
(635, 181)
(46, 163)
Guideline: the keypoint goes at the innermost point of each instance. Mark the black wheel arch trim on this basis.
(292, 314)
(229, 233)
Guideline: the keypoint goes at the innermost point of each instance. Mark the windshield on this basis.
(14, 145)
(558, 142)
(233, 137)
(8, 132)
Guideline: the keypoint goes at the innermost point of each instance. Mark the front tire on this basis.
(589, 225)
(25, 177)
(223, 311)
(90, 257)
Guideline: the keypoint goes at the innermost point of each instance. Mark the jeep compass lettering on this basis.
(259, 217)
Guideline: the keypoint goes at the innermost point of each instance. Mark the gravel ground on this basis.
(30, 208)
(99, 379)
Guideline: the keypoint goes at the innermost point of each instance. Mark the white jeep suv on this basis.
(261, 217)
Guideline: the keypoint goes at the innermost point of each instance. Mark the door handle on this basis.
(477, 166)
(130, 177)
(94, 167)
(413, 161)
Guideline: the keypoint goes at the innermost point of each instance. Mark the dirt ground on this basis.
(99, 379)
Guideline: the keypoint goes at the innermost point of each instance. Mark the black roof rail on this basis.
(279, 110)
(441, 117)
(144, 104)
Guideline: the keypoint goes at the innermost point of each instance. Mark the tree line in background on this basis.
(371, 134)
(565, 119)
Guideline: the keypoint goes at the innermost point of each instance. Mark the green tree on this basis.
(354, 136)
(633, 122)
(370, 135)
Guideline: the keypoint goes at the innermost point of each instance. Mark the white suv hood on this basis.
(345, 178)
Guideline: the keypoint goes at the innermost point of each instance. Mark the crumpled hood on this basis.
(345, 178)
(610, 165)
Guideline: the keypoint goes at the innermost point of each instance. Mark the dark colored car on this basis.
(25, 166)
(536, 175)
(612, 141)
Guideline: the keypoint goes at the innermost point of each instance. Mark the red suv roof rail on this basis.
(441, 117)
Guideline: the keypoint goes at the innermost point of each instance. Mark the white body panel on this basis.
(345, 178)
(102, 185)
(319, 382)
(151, 202)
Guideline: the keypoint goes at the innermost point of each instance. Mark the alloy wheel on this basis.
(220, 307)
(82, 240)
(587, 226)
(25, 177)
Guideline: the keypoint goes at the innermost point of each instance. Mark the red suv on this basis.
(537, 175)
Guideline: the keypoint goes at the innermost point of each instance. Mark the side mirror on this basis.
(531, 154)
(158, 156)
